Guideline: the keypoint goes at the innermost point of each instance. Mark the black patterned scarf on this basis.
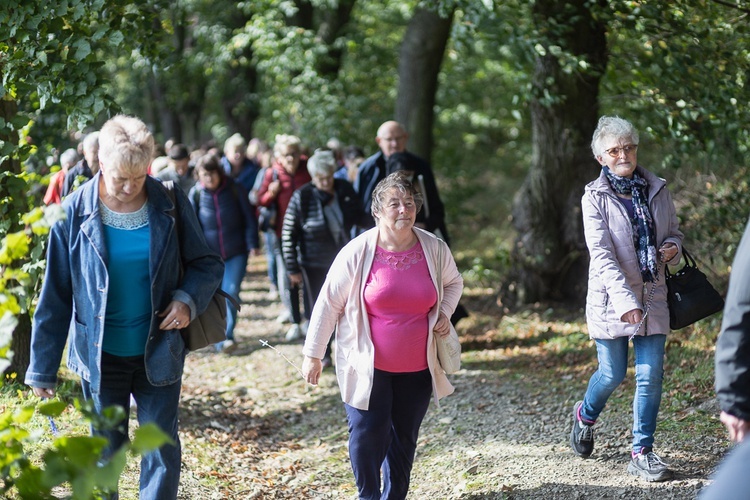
(644, 236)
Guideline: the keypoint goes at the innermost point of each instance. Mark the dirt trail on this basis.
(251, 428)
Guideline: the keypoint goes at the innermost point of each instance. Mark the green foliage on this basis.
(680, 70)
(72, 461)
(714, 213)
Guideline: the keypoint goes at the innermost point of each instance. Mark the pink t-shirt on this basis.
(399, 294)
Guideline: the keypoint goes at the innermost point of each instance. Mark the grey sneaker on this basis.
(649, 466)
(581, 435)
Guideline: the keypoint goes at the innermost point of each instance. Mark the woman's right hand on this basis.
(737, 427)
(41, 392)
(311, 369)
(633, 317)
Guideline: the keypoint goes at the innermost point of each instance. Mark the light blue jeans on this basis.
(234, 272)
(613, 366)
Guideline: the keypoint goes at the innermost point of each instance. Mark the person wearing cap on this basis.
(178, 168)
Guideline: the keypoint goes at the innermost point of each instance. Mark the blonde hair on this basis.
(235, 143)
(285, 144)
(125, 143)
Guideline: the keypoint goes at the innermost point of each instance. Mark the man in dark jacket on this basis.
(733, 378)
(392, 138)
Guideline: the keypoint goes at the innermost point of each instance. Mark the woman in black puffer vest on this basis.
(229, 225)
(317, 224)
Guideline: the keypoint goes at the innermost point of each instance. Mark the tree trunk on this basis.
(421, 55)
(330, 30)
(549, 258)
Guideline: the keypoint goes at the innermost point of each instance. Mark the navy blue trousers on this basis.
(384, 437)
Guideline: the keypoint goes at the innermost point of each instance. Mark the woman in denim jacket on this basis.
(113, 277)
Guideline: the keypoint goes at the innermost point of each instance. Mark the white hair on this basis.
(612, 127)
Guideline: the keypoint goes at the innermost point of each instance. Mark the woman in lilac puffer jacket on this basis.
(631, 230)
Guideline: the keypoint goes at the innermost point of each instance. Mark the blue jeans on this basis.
(121, 377)
(613, 366)
(385, 436)
(234, 272)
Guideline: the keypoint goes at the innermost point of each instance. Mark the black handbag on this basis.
(690, 296)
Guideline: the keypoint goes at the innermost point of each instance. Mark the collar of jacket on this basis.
(655, 183)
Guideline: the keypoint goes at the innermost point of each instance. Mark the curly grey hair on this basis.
(397, 180)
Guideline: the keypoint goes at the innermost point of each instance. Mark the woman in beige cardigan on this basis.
(387, 295)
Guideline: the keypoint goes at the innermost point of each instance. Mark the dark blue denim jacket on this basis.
(76, 281)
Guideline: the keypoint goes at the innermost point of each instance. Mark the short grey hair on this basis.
(612, 127)
(125, 143)
(399, 181)
(68, 158)
(322, 162)
(91, 142)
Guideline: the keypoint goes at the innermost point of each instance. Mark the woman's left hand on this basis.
(667, 252)
(443, 326)
(176, 316)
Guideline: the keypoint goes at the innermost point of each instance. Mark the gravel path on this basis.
(252, 428)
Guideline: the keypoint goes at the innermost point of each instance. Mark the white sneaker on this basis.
(294, 333)
(284, 317)
(227, 346)
(303, 326)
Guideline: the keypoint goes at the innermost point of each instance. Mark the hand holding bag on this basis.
(690, 296)
(448, 347)
(209, 327)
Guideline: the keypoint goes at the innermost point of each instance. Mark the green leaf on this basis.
(52, 408)
(149, 437)
(83, 49)
(108, 475)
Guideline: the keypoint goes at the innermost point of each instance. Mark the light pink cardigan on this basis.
(340, 306)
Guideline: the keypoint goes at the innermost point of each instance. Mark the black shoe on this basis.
(649, 466)
(581, 435)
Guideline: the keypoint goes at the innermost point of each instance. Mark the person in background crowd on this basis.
(264, 160)
(353, 157)
(161, 157)
(113, 274)
(288, 172)
(178, 168)
(334, 145)
(391, 138)
(432, 215)
(317, 224)
(230, 227)
(631, 229)
(86, 167)
(236, 163)
(385, 300)
(54, 192)
(733, 379)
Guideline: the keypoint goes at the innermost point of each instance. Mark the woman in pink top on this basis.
(387, 295)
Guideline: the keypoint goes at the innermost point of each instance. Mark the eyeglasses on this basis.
(615, 152)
